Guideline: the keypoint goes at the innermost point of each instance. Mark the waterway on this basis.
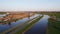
(39, 27)
(4, 27)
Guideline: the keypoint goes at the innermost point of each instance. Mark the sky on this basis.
(29, 5)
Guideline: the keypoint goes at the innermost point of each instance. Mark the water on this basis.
(7, 26)
(40, 27)
(2, 15)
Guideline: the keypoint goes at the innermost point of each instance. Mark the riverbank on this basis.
(28, 26)
(13, 17)
(54, 25)
(20, 24)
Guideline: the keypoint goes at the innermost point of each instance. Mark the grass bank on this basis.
(30, 24)
(3, 12)
(54, 26)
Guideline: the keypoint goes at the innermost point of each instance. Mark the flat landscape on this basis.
(53, 22)
(29, 22)
(29, 16)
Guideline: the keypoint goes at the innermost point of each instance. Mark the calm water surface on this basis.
(40, 27)
(7, 26)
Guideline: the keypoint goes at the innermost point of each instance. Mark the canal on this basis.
(39, 27)
(4, 27)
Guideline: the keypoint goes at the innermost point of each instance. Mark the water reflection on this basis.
(1, 15)
(40, 27)
(7, 25)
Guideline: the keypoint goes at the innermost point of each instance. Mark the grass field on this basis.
(54, 25)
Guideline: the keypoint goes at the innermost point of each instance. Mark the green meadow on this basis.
(54, 24)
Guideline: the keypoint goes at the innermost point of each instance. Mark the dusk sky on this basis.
(29, 5)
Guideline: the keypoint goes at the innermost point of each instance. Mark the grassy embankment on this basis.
(54, 25)
(3, 12)
(51, 14)
(29, 25)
